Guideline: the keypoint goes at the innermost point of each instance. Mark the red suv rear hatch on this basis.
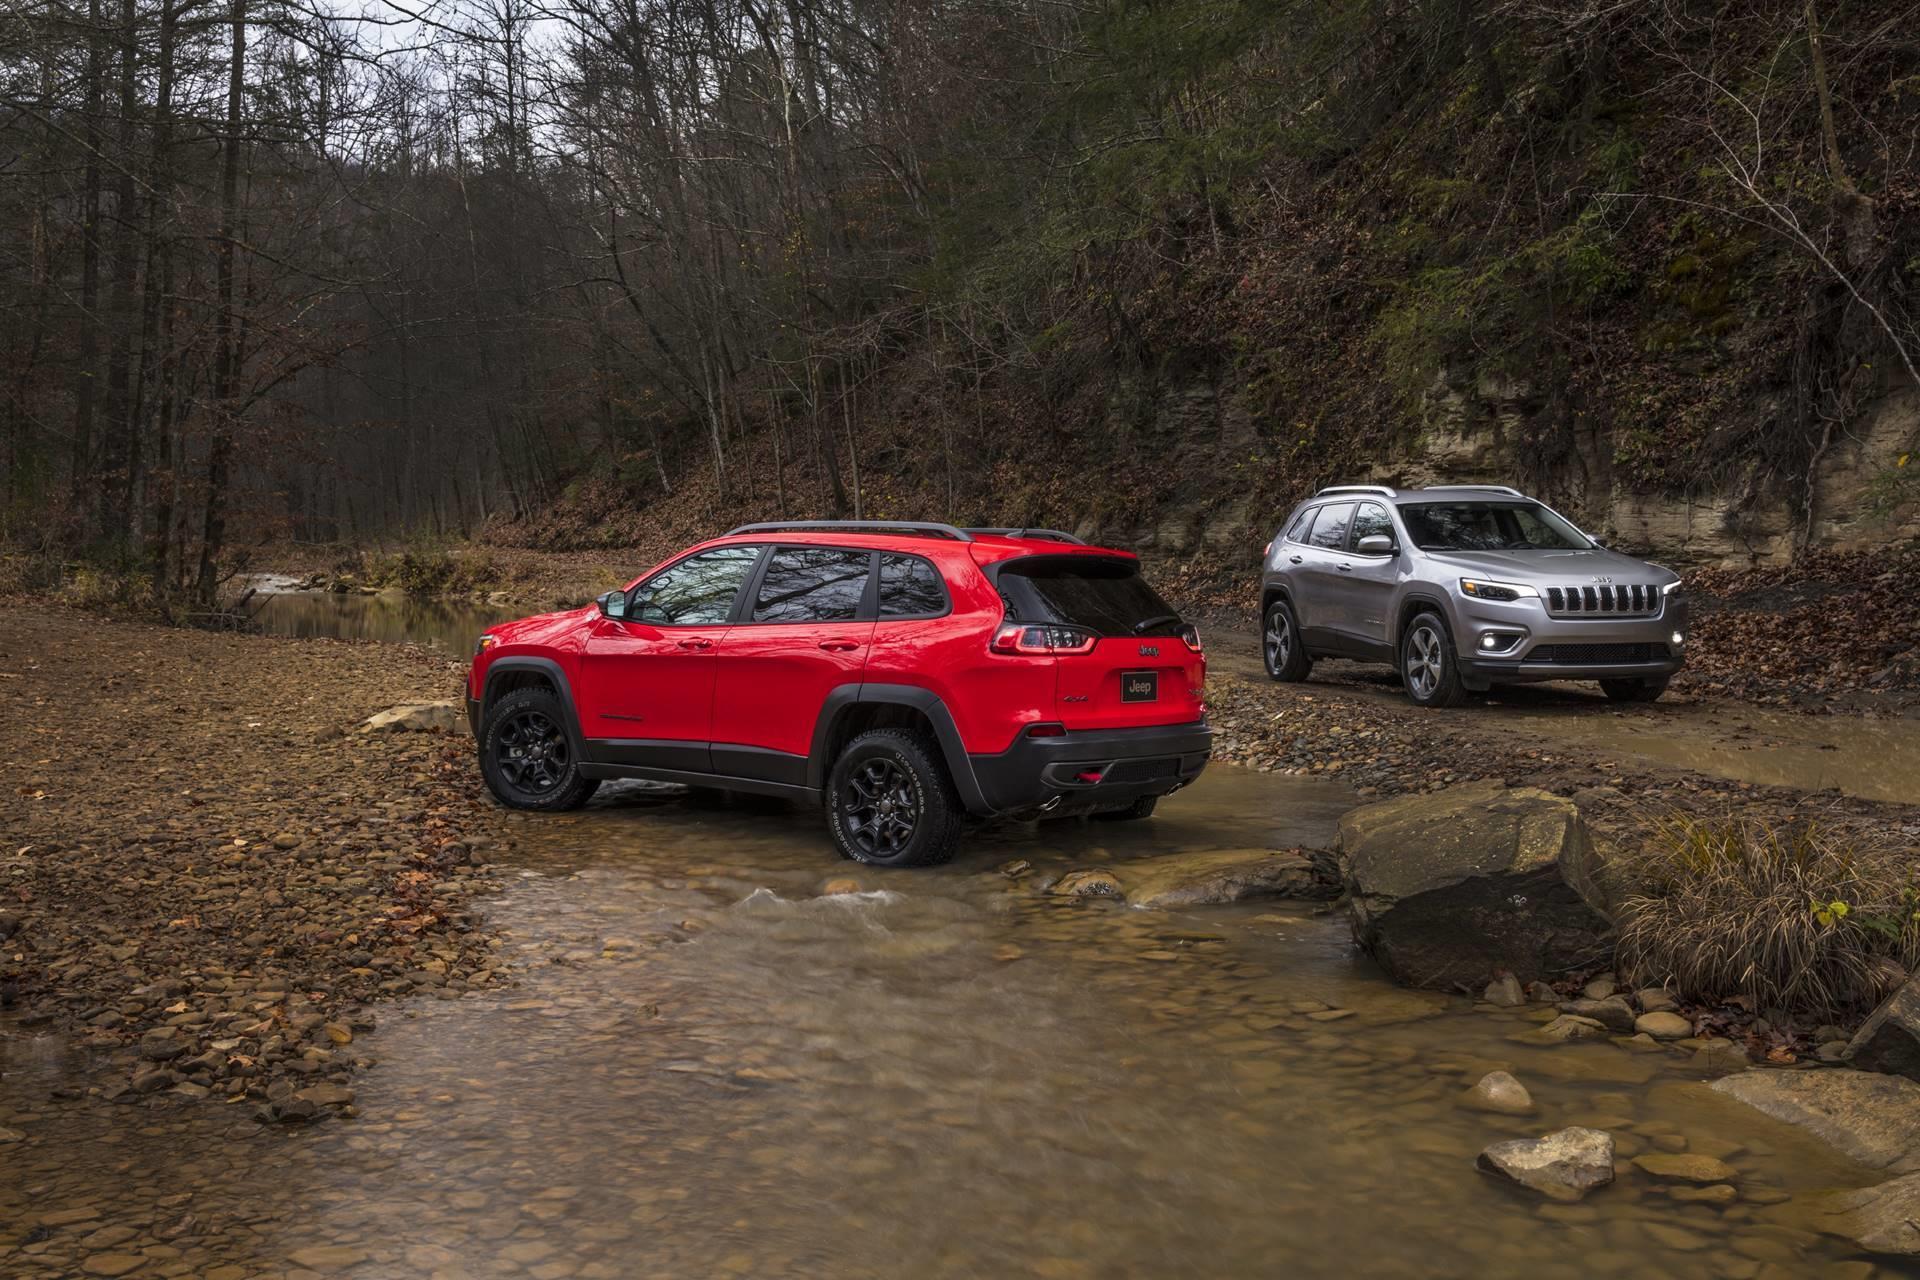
(1122, 657)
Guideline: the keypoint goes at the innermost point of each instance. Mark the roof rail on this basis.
(1490, 488)
(1045, 535)
(928, 527)
(1357, 488)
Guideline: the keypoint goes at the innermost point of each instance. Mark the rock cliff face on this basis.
(1472, 432)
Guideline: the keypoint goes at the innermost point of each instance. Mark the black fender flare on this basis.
(1427, 602)
(552, 671)
(927, 703)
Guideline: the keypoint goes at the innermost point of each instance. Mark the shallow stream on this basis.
(710, 1067)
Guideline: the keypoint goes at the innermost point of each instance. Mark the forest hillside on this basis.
(568, 274)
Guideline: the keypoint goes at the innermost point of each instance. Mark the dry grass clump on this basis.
(1801, 920)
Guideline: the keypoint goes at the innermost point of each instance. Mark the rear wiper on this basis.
(1144, 623)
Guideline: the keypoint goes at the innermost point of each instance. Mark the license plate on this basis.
(1139, 686)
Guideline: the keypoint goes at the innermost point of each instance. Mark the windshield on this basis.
(1107, 596)
(1489, 526)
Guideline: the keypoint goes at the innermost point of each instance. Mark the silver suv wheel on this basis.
(1280, 645)
(1424, 661)
(1427, 664)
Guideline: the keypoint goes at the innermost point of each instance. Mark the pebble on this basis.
(1501, 1092)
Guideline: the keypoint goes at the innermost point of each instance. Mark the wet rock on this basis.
(1222, 876)
(112, 1264)
(1499, 1091)
(328, 1257)
(1613, 1012)
(1565, 1029)
(1718, 1194)
(325, 1095)
(1088, 884)
(1564, 1166)
(415, 717)
(1883, 1220)
(1448, 887)
(1600, 988)
(1655, 1000)
(839, 885)
(1889, 1040)
(1872, 1118)
(1663, 1026)
(1505, 991)
(1678, 1167)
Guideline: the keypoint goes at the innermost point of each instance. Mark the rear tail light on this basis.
(1191, 634)
(1019, 637)
(1046, 730)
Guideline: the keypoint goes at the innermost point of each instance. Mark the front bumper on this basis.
(1091, 770)
(1536, 646)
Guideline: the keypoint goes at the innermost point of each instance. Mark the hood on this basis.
(542, 628)
(1571, 567)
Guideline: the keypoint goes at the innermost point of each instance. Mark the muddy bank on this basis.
(211, 878)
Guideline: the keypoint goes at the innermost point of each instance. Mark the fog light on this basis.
(1679, 639)
(1489, 642)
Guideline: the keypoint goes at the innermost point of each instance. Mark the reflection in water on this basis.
(707, 1068)
(449, 623)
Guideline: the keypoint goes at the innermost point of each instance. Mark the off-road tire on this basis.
(1141, 808)
(1282, 651)
(883, 778)
(1428, 666)
(1643, 690)
(545, 774)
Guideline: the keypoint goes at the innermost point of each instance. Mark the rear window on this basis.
(1106, 596)
(812, 584)
(910, 588)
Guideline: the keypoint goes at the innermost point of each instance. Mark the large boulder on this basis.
(1873, 1119)
(1883, 1219)
(1225, 875)
(1447, 888)
(1889, 1041)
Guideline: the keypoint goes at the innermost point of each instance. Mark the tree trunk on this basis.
(226, 352)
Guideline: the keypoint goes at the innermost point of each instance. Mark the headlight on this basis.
(1672, 589)
(1482, 590)
(484, 643)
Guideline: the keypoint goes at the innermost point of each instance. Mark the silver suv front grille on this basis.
(1621, 601)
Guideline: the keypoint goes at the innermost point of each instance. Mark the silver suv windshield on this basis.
(1489, 526)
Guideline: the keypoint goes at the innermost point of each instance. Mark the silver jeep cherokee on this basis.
(1462, 588)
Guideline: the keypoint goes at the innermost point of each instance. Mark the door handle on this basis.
(696, 644)
(1293, 559)
(1346, 568)
(839, 646)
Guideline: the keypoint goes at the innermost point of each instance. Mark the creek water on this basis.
(441, 622)
(707, 1065)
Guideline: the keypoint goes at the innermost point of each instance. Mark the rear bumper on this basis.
(1082, 772)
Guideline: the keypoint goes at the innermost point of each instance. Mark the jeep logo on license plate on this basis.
(1139, 686)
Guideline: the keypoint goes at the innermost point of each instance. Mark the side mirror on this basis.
(613, 604)
(1375, 544)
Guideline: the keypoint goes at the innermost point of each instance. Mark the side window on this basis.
(1297, 531)
(700, 589)
(1370, 519)
(1330, 530)
(910, 588)
(812, 584)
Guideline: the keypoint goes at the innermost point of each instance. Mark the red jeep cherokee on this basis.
(908, 675)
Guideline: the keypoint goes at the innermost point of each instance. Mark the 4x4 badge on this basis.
(1149, 650)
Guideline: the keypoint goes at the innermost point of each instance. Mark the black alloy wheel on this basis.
(882, 808)
(531, 753)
